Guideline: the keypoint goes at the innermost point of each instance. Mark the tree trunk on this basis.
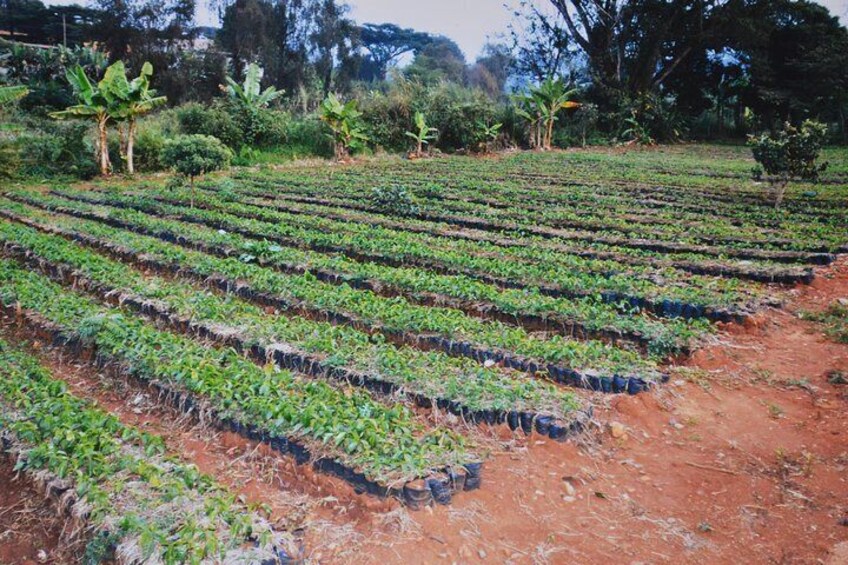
(537, 127)
(122, 143)
(191, 184)
(103, 143)
(549, 136)
(130, 145)
(780, 191)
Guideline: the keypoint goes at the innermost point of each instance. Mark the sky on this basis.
(468, 22)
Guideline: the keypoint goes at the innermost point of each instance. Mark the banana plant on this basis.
(486, 134)
(541, 106)
(250, 94)
(527, 108)
(554, 96)
(423, 135)
(343, 120)
(95, 104)
(135, 98)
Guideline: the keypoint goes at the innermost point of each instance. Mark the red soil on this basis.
(30, 531)
(740, 459)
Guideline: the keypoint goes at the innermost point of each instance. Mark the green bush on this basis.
(215, 121)
(394, 199)
(453, 110)
(148, 149)
(49, 149)
(195, 155)
(791, 153)
(236, 125)
(307, 136)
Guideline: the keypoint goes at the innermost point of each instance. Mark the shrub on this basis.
(456, 111)
(260, 127)
(57, 148)
(195, 155)
(148, 149)
(452, 109)
(393, 199)
(215, 121)
(790, 153)
(236, 125)
(306, 136)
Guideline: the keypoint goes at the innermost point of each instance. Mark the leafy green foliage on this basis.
(636, 132)
(250, 94)
(423, 133)
(541, 106)
(432, 374)
(486, 134)
(345, 123)
(180, 515)
(134, 99)
(195, 155)
(790, 153)
(587, 311)
(237, 125)
(10, 94)
(394, 199)
(43, 72)
(385, 442)
(393, 314)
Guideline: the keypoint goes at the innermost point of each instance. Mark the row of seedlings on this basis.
(379, 449)
(452, 331)
(583, 318)
(129, 499)
(479, 394)
(691, 297)
(698, 265)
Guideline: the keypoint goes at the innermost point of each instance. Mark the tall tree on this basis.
(94, 102)
(797, 58)
(440, 60)
(492, 69)
(540, 42)
(633, 46)
(333, 40)
(132, 99)
(387, 42)
(274, 34)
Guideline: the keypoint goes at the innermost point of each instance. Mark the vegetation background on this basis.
(642, 71)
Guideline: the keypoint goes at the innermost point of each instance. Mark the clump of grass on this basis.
(775, 411)
(834, 319)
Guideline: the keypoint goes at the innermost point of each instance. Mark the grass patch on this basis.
(834, 319)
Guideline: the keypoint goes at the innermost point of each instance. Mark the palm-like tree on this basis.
(423, 134)
(541, 107)
(343, 120)
(250, 94)
(93, 102)
(114, 98)
(134, 98)
(554, 96)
